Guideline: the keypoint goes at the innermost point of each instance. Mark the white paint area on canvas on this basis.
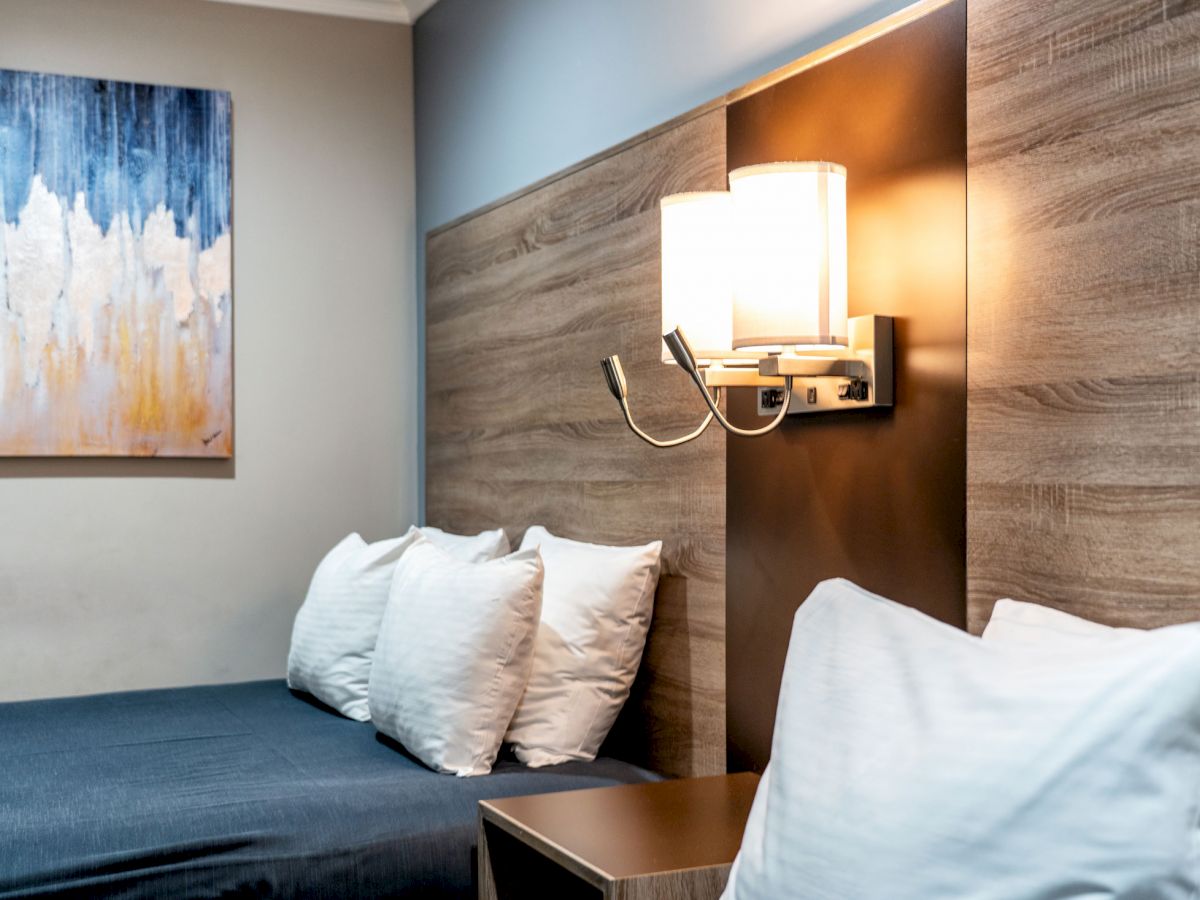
(55, 256)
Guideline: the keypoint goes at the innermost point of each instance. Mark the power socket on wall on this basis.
(817, 395)
(868, 378)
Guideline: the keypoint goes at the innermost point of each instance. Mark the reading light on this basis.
(758, 276)
(615, 376)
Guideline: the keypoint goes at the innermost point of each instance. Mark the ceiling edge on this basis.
(396, 11)
(416, 8)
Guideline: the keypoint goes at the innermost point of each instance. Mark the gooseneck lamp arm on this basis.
(615, 376)
(677, 343)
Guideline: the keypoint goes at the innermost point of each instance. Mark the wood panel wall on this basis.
(1083, 357)
(1084, 308)
(523, 301)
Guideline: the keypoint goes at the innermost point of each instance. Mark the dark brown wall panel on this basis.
(877, 496)
(523, 301)
(1084, 308)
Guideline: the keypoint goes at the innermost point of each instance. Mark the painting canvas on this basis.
(115, 269)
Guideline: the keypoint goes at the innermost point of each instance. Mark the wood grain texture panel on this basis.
(689, 884)
(523, 300)
(613, 187)
(1008, 39)
(1105, 431)
(1130, 550)
(1084, 308)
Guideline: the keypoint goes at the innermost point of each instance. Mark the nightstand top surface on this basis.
(635, 829)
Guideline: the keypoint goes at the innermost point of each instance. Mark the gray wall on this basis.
(510, 91)
(136, 573)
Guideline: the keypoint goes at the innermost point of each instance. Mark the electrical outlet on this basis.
(769, 399)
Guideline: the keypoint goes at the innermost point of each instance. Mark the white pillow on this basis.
(913, 761)
(472, 548)
(334, 632)
(333, 636)
(1014, 621)
(595, 615)
(454, 653)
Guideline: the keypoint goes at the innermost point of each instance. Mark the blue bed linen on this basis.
(243, 789)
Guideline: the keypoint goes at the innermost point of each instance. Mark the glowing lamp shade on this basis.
(697, 279)
(789, 282)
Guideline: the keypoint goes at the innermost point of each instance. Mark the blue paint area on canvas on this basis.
(126, 147)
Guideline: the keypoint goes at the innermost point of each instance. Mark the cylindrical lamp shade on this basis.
(789, 282)
(697, 280)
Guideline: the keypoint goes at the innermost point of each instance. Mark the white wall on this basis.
(138, 573)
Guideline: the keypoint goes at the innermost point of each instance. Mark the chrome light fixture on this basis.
(754, 294)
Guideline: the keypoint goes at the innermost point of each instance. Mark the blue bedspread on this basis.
(245, 790)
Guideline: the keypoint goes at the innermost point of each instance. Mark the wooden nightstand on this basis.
(670, 840)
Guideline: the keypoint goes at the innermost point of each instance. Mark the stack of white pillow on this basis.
(453, 645)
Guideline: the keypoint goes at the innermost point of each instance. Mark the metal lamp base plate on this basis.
(859, 378)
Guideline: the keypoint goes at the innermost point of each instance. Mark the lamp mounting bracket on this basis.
(861, 377)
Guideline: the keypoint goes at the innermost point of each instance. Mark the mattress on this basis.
(242, 789)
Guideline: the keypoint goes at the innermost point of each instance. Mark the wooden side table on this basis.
(669, 840)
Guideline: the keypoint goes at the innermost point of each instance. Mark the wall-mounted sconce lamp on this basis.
(754, 286)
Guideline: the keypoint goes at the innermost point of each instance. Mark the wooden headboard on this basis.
(523, 299)
(1083, 375)
(1083, 403)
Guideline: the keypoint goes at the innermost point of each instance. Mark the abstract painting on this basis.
(115, 269)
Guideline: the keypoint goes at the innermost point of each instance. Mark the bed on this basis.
(255, 790)
(241, 789)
